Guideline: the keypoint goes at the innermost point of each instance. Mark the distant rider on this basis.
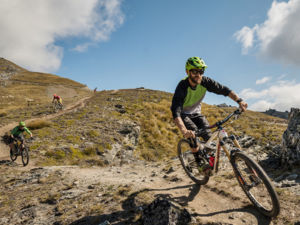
(17, 134)
(189, 93)
(57, 98)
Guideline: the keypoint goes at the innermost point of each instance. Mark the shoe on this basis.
(205, 169)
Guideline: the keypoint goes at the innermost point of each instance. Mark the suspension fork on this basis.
(217, 158)
(235, 142)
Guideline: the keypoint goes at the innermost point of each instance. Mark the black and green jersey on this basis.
(188, 100)
(16, 131)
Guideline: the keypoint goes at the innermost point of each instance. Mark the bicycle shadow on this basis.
(261, 219)
(131, 208)
(181, 200)
(5, 162)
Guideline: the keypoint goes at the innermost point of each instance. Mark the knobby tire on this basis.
(256, 184)
(25, 156)
(188, 163)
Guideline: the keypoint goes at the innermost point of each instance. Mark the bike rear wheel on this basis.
(256, 184)
(189, 164)
(25, 156)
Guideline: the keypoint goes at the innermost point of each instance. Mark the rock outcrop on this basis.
(290, 155)
(163, 212)
(273, 112)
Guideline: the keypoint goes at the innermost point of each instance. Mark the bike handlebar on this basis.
(220, 122)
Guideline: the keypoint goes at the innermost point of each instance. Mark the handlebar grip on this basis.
(238, 111)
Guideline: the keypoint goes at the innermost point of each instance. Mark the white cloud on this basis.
(263, 80)
(30, 29)
(280, 96)
(278, 36)
(246, 36)
(82, 47)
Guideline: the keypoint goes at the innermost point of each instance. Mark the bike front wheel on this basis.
(189, 164)
(256, 184)
(13, 156)
(25, 156)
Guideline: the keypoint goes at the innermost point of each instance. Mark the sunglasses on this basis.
(195, 72)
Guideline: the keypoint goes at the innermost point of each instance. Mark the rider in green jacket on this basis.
(17, 133)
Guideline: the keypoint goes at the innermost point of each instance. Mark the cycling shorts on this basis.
(195, 122)
(20, 137)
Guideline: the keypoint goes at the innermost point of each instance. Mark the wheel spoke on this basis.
(189, 164)
(256, 185)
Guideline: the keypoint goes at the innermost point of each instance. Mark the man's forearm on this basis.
(233, 96)
(178, 121)
(242, 104)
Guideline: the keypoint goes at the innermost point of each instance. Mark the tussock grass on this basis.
(38, 124)
(159, 135)
(2, 113)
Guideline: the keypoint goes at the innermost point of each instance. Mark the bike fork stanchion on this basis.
(217, 159)
(236, 143)
(222, 144)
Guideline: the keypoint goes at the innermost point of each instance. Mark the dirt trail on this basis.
(4, 153)
(208, 203)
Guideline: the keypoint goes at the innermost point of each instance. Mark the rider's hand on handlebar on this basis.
(189, 134)
(243, 105)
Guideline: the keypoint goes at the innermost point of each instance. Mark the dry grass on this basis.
(99, 123)
(28, 94)
(38, 124)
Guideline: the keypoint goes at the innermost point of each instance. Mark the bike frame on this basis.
(221, 145)
(18, 144)
(221, 136)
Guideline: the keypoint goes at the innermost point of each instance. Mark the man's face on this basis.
(195, 75)
(21, 127)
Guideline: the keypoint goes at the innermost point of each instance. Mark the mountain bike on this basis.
(20, 151)
(250, 175)
(57, 106)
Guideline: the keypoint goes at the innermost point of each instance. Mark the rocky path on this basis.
(208, 203)
(221, 201)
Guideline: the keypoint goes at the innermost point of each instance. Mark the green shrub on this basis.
(90, 151)
(56, 154)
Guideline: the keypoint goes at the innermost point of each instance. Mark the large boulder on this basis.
(290, 155)
(163, 212)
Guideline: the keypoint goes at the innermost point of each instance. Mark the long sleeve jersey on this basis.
(188, 100)
(16, 131)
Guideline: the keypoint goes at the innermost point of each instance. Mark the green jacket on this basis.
(16, 131)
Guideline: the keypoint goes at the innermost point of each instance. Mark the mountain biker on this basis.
(57, 98)
(186, 102)
(17, 133)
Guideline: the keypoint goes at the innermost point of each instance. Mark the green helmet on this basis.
(195, 63)
(22, 124)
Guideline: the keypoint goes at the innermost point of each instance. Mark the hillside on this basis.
(106, 157)
(25, 94)
(139, 120)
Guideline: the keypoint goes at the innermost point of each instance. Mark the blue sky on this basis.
(249, 46)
